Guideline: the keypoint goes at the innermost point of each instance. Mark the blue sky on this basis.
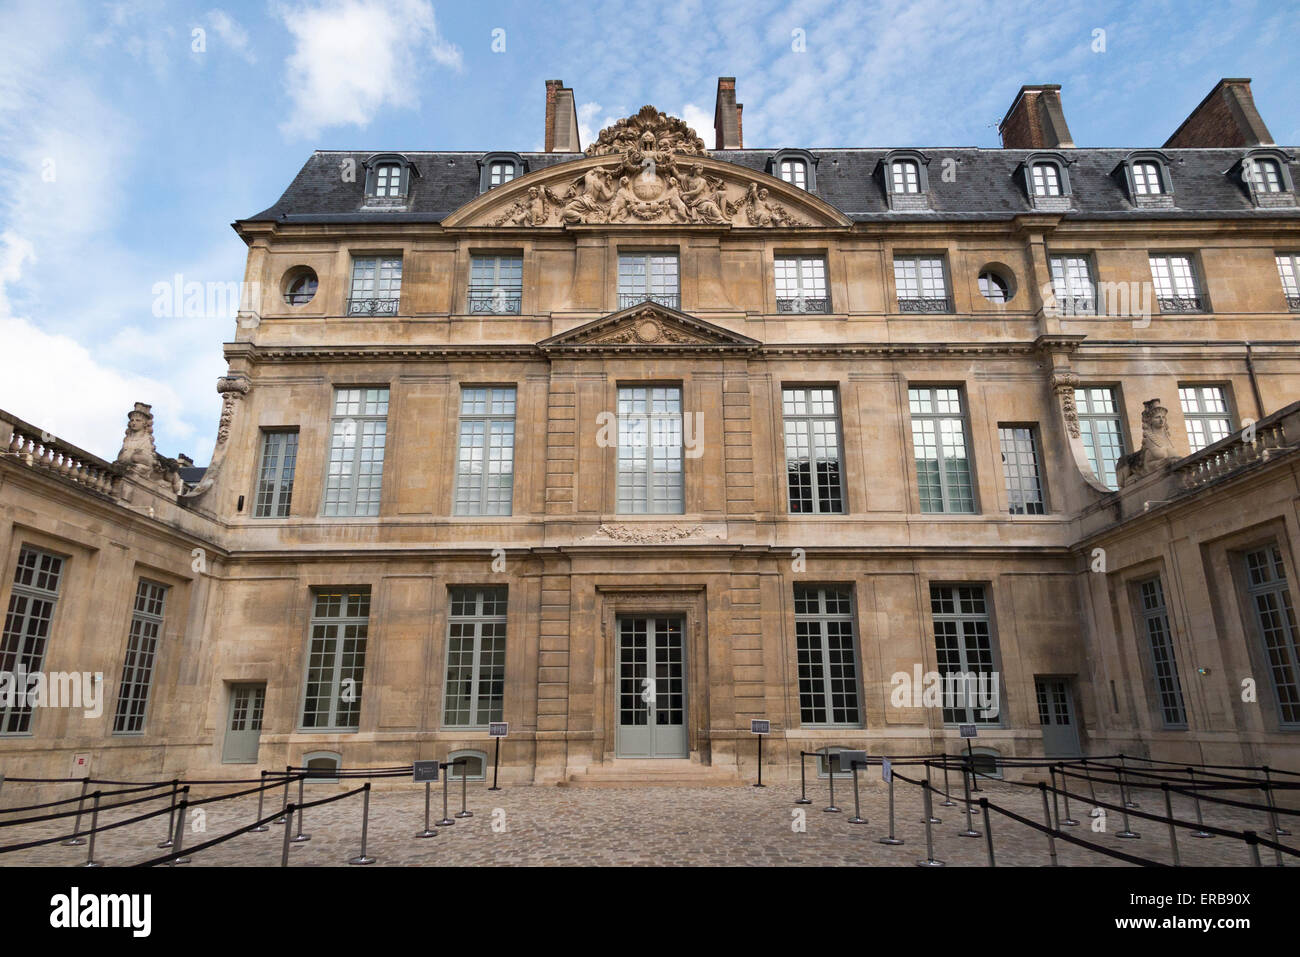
(129, 143)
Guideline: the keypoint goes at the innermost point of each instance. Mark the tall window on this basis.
(939, 441)
(795, 172)
(1101, 431)
(812, 450)
(1275, 617)
(964, 647)
(801, 284)
(496, 284)
(1164, 669)
(275, 474)
(921, 284)
(1047, 179)
(1146, 179)
(376, 286)
(650, 450)
(1020, 465)
(27, 628)
(643, 276)
(1288, 270)
(336, 659)
(476, 657)
(141, 650)
(1266, 175)
(1205, 410)
(827, 657)
(906, 176)
(1175, 282)
(356, 464)
(1072, 285)
(388, 180)
(485, 462)
(499, 172)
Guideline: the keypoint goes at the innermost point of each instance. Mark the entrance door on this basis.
(1056, 715)
(651, 689)
(244, 727)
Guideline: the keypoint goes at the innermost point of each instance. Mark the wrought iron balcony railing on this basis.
(803, 304)
(627, 300)
(1180, 303)
(499, 302)
(373, 307)
(1076, 306)
(924, 304)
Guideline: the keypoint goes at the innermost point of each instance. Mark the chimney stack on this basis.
(728, 133)
(1036, 120)
(1225, 118)
(561, 119)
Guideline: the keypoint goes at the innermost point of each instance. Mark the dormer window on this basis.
(795, 172)
(497, 169)
(388, 180)
(1047, 179)
(1146, 174)
(1146, 179)
(906, 183)
(796, 167)
(906, 176)
(1267, 177)
(1047, 182)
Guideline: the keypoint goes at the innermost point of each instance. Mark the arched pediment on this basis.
(650, 173)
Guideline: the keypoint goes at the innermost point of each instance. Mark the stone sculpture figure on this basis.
(1157, 444)
(140, 455)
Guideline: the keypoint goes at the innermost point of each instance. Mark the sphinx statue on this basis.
(1157, 444)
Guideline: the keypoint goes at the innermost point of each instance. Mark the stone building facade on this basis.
(628, 446)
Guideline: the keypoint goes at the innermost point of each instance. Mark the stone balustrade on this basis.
(39, 450)
(1244, 448)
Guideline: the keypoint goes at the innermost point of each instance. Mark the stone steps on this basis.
(637, 772)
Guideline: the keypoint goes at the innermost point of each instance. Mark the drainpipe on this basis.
(1254, 384)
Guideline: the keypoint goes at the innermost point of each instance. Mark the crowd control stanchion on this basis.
(1065, 796)
(1196, 799)
(856, 759)
(284, 804)
(300, 836)
(947, 799)
(830, 776)
(760, 783)
(1124, 806)
(76, 839)
(446, 820)
(988, 830)
(1252, 842)
(1268, 793)
(496, 763)
(970, 831)
(428, 831)
(179, 841)
(1092, 792)
(1123, 790)
(891, 839)
(1173, 831)
(1272, 818)
(171, 816)
(288, 834)
(464, 778)
(1056, 804)
(365, 825)
(929, 831)
(261, 794)
(803, 778)
(1047, 819)
(929, 814)
(94, 826)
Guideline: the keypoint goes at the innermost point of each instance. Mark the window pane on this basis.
(939, 440)
(354, 473)
(826, 656)
(964, 648)
(812, 431)
(476, 657)
(485, 458)
(336, 658)
(650, 475)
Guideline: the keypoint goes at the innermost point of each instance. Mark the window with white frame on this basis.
(485, 459)
(376, 288)
(1101, 430)
(1206, 412)
(1160, 647)
(921, 284)
(795, 172)
(496, 284)
(905, 175)
(964, 647)
(812, 450)
(355, 473)
(827, 656)
(1270, 598)
(1265, 174)
(141, 652)
(1176, 286)
(388, 179)
(993, 287)
(1020, 466)
(275, 473)
(1288, 270)
(943, 474)
(500, 172)
(336, 659)
(801, 284)
(1072, 285)
(476, 657)
(1046, 179)
(1146, 178)
(26, 635)
(651, 276)
(650, 474)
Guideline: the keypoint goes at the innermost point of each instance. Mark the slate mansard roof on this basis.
(986, 185)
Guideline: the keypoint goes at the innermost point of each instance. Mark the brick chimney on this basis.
(1226, 117)
(728, 133)
(1036, 120)
(561, 119)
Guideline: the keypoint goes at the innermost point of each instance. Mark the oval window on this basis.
(300, 286)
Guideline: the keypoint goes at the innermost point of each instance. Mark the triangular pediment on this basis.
(649, 325)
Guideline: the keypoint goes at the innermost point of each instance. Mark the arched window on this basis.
(388, 179)
(502, 171)
(906, 176)
(1146, 178)
(796, 167)
(986, 762)
(795, 172)
(323, 765)
(474, 768)
(497, 169)
(1046, 179)
(1267, 175)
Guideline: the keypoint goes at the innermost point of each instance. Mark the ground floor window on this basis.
(827, 656)
(476, 657)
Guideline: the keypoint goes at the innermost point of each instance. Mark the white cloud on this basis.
(231, 33)
(700, 120)
(586, 113)
(352, 58)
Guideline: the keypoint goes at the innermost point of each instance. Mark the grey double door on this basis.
(1056, 716)
(651, 688)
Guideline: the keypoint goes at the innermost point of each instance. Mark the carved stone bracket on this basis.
(231, 389)
(1063, 386)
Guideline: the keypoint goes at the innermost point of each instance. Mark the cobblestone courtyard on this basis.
(664, 826)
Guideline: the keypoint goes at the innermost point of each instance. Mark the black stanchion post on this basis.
(1268, 793)
(365, 825)
(970, 759)
(891, 839)
(1272, 818)
(1056, 804)
(965, 783)
(428, 831)
(261, 794)
(300, 836)
(94, 826)
(857, 817)
(284, 804)
(929, 814)
(496, 763)
(1123, 790)
(760, 783)
(288, 833)
(179, 840)
(1173, 831)
(1124, 806)
(76, 839)
(830, 776)
(929, 830)
(446, 779)
(1065, 796)
(988, 830)
(171, 816)
(1092, 792)
(803, 778)
(1047, 819)
(947, 798)
(1252, 842)
(464, 777)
